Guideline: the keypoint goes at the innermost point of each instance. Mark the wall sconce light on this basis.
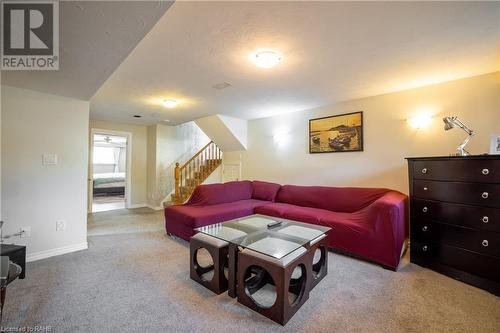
(281, 136)
(421, 120)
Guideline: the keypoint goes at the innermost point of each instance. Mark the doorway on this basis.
(109, 171)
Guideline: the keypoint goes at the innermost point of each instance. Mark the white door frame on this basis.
(227, 165)
(128, 171)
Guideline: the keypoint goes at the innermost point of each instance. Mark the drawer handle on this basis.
(424, 170)
(424, 248)
(485, 243)
(425, 209)
(424, 228)
(486, 219)
(485, 195)
(485, 171)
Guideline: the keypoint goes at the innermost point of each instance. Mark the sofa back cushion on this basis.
(213, 194)
(264, 190)
(238, 190)
(336, 199)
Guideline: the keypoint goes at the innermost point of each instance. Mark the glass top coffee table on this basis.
(268, 235)
(272, 236)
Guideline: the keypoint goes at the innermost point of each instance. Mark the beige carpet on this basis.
(125, 221)
(138, 282)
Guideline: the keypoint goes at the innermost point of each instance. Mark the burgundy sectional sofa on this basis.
(370, 223)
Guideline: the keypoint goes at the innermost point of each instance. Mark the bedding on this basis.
(109, 183)
(109, 178)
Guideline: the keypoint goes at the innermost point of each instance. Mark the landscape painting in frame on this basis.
(340, 133)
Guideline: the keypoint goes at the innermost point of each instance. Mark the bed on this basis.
(110, 183)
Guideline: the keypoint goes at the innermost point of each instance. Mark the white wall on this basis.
(229, 133)
(151, 168)
(35, 195)
(138, 155)
(387, 137)
(166, 146)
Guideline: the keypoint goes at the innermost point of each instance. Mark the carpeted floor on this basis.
(139, 282)
(125, 221)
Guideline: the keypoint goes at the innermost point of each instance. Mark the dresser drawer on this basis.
(474, 240)
(463, 170)
(481, 218)
(487, 195)
(430, 254)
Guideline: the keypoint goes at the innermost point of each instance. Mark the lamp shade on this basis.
(448, 123)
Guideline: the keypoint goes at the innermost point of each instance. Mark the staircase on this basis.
(195, 171)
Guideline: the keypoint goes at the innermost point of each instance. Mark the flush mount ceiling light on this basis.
(266, 59)
(170, 103)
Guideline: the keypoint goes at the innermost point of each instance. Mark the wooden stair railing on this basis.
(195, 171)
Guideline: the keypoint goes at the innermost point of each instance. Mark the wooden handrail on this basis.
(195, 171)
(195, 155)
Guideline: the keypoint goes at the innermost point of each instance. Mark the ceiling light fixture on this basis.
(170, 103)
(266, 59)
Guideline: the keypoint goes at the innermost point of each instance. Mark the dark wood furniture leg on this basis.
(218, 282)
(232, 270)
(2, 301)
(16, 254)
(320, 269)
(281, 276)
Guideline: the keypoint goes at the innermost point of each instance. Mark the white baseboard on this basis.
(155, 208)
(57, 251)
(137, 206)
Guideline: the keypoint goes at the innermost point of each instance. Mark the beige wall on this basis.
(387, 137)
(139, 157)
(167, 145)
(151, 169)
(36, 195)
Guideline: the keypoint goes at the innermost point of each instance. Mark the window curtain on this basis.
(116, 155)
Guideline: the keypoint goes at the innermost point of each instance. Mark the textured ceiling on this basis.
(95, 37)
(332, 51)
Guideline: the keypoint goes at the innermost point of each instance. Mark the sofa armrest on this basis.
(390, 216)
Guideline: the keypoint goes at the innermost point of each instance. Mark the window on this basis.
(104, 155)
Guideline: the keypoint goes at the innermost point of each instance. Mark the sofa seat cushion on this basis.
(201, 215)
(292, 212)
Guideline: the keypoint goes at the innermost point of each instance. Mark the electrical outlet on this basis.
(27, 232)
(60, 225)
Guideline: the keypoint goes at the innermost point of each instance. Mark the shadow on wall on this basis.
(166, 180)
(386, 178)
(379, 179)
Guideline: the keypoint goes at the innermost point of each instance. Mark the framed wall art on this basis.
(334, 134)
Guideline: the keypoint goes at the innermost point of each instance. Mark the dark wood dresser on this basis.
(455, 217)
